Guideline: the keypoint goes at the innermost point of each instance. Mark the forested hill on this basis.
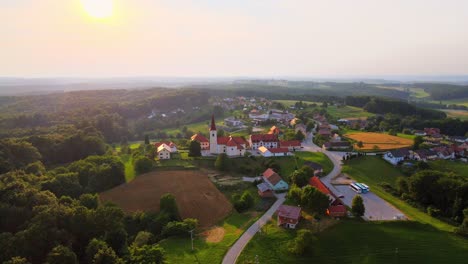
(444, 91)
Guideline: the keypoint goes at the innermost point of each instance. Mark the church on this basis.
(232, 146)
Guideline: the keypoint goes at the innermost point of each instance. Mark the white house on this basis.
(172, 145)
(266, 140)
(274, 152)
(397, 155)
(204, 143)
(164, 152)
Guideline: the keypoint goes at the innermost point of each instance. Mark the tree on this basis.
(222, 162)
(64, 184)
(463, 228)
(147, 140)
(180, 228)
(295, 194)
(143, 164)
(107, 256)
(299, 136)
(17, 260)
(93, 248)
(168, 205)
(402, 185)
(146, 254)
(194, 149)
(360, 144)
(301, 242)
(418, 140)
(61, 255)
(89, 201)
(314, 200)
(301, 177)
(117, 240)
(357, 207)
(142, 238)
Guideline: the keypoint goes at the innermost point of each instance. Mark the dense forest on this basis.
(444, 91)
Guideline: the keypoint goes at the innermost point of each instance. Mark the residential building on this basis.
(336, 207)
(424, 154)
(232, 122)
(266, 140)
(204, 143)
(302, 128)
(171, 144)
(288, 216)
(273, 152)
(264, 190)
(163, 152)
(274, 130)
(274, 181)
(318, 169)
(396, 155)
(292, 145)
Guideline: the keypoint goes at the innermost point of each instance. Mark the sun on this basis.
(98, 8)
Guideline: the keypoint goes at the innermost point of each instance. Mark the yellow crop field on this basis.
(378, 141)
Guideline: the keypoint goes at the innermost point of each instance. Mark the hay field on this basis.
(371, 141)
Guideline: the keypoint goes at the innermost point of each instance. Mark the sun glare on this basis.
(98, 8)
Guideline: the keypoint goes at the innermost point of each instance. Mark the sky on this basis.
(220, 38)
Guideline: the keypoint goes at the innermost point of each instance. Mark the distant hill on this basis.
(440, 91)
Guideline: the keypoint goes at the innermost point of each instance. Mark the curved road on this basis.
(236, 249)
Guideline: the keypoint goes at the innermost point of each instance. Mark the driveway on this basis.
(236, 249)
(376, 207)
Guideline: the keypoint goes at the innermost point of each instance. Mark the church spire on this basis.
(213, 125)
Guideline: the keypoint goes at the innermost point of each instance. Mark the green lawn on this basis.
(406, 136)
(178, 250)
(347, 112)
(352, 241)
(456, 167)
(129, 169)
(194, 127)
(460, 101)
(460, 114)
(419, 93)
(289, 103)
(317, 157)
(374, 170)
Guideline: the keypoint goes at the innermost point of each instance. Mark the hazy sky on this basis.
(235, 38)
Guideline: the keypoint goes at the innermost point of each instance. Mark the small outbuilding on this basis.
(288, 216)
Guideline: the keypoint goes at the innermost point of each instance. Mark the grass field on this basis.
(406, 136)
(352, 241)
(129, 168)
(383, 141)
(347, 112)
(373, 171)
(196, 195)
(460, 101)
(460, 114)
(288, 103)
(419, 93)
(208, 249)
(456, 167)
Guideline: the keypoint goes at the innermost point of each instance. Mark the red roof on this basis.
(278, 150)
(169, 143)
(264, 138)
(213, 124)
(290, 143)
(272, 176)
(232, 142)
(200, 138)
(337, 210)
(317, 183)
(223, 140)
(291, 212)
(324, 131)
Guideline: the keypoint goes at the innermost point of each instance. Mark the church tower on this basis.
(213, 137)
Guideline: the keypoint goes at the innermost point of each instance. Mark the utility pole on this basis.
(191, 237)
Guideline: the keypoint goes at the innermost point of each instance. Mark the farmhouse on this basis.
(336, 145)
(424, 154)
(302, 128)
(232, 122)
(204, 143)
(273, 152)
(288, 216)
(171, 145)
(324, 132)
(264, 190)
(318, 169)
(274, 181)
(164, 152)
(431, 131)
(266, 140)
(292, 145)
(336, 207)
(397, 155)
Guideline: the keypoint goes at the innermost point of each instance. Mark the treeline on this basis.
(439, 91)
(441, 194)
(378, 105)
(45, 219)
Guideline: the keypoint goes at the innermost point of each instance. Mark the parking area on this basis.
(376, 207)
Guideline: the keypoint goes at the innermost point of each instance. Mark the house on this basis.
(274, 181)
(264, 190)
(274, 130)
(163, 152)
(204, 142)
(424, 154)
(232, 122)
(336, 145)
(396, 155)
(318, 169)
(445, 152)
(458, 139)
(302, 128)
(292, 145)
(432, 131)
(335, 138)
(266, 140)
(273, 152)
(336, 207)
(171, 144)
(288, 216)
(420, 133)
(324, 132)
(433, 140)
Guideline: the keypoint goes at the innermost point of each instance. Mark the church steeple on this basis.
(213, 124)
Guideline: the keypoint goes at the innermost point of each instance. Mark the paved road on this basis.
(376, 207)
(236, 249)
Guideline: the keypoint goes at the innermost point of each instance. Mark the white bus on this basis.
(364, 188)
(355, 188)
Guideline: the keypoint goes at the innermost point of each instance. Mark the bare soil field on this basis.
(196, 195)
(380, 141)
